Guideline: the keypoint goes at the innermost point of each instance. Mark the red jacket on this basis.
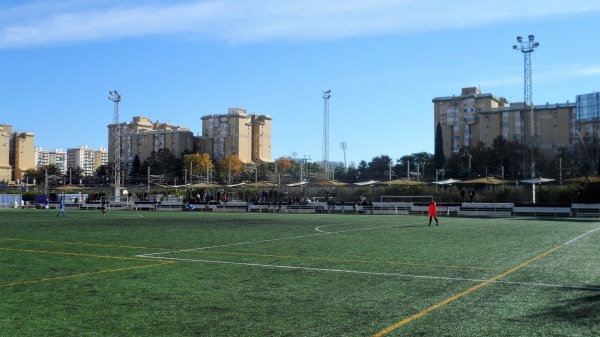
(432, 208)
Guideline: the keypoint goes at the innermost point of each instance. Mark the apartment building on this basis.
(16, 153)
(5, 167)
(247, 135)
(588, 118)
(56, 157)
(474, 117)
(88, 160)
(141, 137)
(42, 157)
(100, 158)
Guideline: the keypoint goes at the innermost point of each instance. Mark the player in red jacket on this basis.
(433, 212)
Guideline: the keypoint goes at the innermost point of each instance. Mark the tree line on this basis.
(504, 159)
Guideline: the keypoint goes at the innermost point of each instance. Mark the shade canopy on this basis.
(446, 182)
(584, 179)
(404, 182)
(261, 184)
(367, 183)
(327, 183)
(69, 187)
(302, 183)
(539, 180)
(202, 185)
(487, 181)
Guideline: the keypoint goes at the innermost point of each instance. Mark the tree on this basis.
(439, 158)
(379, 168)
(284, 165)
(229, 167)
(137, 173)
(362, 171)
(163, 162)
(420, 165)
(200, 164)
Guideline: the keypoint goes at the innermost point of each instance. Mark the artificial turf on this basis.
(272, 274)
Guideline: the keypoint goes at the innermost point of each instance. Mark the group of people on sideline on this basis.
(464, 193)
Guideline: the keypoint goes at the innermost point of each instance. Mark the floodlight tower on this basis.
(116, 138)
(344, 146)
(527, 47)
(326, 96)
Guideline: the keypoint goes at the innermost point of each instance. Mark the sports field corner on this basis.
(268, 274)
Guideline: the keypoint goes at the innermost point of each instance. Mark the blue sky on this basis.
(384, 62)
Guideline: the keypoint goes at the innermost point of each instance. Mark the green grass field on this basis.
(258, 274)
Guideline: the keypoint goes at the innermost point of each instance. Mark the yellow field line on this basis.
(79, 254)
(79, 275)
(343, 260)
(81, 244)
(466, 292)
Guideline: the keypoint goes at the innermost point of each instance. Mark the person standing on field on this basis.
(61, 208)
(433, 212)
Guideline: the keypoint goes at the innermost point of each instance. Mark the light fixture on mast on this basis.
(116, 138)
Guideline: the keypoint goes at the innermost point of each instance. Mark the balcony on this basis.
(470, 119)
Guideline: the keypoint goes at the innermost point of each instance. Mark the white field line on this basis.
(581, 236)
(268, 240)
(443, 278)
(153, 256)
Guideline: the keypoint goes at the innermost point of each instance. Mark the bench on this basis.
(585, 210)
(486, 209)
(144, 205)
(383, 209)
(303, 209)
(541, 211)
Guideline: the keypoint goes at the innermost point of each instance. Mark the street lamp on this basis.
(249, 125)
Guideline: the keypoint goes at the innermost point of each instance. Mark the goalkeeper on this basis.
(433, 212)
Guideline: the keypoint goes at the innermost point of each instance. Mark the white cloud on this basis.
(590, 71)
(45, 23)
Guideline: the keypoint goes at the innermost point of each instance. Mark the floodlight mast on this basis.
(527, 47)
(116, 98)
(344, 146)
(326, 96)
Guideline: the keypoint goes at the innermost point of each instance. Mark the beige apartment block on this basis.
(474, 117)
(17, 153)
(5, 167)
(248, 136)
(141, 137)
(100, 158)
